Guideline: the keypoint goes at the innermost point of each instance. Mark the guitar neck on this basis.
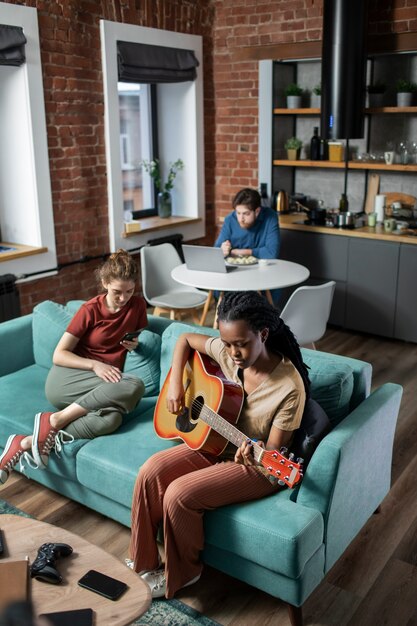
(227, 430)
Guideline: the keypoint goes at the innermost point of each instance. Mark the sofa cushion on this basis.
(331, 385)
(50, 321)
(109, 465)
(169, 339)
(144, 361)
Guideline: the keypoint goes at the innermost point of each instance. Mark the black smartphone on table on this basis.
(132, 335)
(102, 584)
(77, 617)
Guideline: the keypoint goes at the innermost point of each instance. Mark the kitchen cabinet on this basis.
(375, 280)
(371, 286)
(327, 259)
(406, 310)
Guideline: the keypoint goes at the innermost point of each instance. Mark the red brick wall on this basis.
(70, 49)
(72, 77)
(242, 23)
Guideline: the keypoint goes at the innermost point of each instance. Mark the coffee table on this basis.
(23, 536)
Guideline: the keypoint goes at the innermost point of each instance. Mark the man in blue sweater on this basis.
(251, 229)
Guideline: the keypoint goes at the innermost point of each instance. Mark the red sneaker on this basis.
(45, 437)
(13, 451)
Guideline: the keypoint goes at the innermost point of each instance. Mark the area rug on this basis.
(161, 612)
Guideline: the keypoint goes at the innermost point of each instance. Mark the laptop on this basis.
(205, 259)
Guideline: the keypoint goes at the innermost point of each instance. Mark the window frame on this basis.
(36, 233)
(180, 135)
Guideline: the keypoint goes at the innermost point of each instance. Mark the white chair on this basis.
(163, 292)
(307, 311)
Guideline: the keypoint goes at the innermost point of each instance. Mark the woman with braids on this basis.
(86, 383)
(175, 486)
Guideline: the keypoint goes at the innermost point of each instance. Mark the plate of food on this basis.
(241, 260)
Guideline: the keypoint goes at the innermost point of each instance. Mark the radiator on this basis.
(176, 241)
(9, 298)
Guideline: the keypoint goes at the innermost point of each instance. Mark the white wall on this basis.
(25, 189)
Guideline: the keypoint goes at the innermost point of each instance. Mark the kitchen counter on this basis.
(291, 221)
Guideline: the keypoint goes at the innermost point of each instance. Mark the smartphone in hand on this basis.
(131, 335)
(102, 584)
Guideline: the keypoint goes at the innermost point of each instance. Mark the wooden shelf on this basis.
(18, 250)
(352, 165)
(303, 111)
(374, 110)
(150, 224)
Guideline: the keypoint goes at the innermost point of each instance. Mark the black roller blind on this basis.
(12, 45)
(143, 63)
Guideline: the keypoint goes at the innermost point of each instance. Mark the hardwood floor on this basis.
(374, 583)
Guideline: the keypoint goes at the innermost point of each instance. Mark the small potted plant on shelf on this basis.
(376, 94)
(293, 147)
(405, 92)
(293, 93)
(316, 97)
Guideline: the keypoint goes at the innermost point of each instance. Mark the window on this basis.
(137, 130)
(26, 215)
(179, 119)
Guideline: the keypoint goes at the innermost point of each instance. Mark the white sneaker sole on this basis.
(40, 461)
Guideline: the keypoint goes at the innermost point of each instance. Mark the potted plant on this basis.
(164, 200)
(316, 97)
(293, 147)
(293, 93)
(376, 94)
(405, 92)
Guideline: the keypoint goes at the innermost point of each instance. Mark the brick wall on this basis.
(71, 59)
(72, 77)
(242, 23)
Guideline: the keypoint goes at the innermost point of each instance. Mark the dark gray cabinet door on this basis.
(372, 286)
(326, 256)
(406, 312)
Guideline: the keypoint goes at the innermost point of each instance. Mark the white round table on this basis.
(275, 275)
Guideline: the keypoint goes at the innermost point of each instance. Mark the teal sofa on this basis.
(283, 544)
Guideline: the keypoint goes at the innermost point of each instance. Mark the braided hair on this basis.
(258, 313)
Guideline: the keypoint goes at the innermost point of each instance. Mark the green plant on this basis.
(377, 87)
(293, 90)
(153, 168)
(405, 86)
(293, 143)
(317, 90)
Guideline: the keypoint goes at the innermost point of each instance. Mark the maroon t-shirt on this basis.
(100, 331)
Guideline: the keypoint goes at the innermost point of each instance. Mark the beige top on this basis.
(278, 401)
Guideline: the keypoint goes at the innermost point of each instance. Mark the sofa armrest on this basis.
(16, 344)
(350, 473)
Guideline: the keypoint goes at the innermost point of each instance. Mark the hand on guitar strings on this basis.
(244, 454)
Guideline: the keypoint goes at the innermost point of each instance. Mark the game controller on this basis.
(43, 567)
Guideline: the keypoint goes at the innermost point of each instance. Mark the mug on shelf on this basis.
(372, 220)
(389, 157)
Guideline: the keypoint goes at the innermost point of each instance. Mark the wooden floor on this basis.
(373, 584)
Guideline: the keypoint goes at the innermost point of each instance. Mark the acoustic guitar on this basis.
(212, 405)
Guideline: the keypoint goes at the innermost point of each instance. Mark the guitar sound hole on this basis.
(196, 407)
(187, 420)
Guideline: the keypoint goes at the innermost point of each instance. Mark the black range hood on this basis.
(343, 72)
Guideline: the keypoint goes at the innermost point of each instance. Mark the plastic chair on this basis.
(307, 311)
(163, 292)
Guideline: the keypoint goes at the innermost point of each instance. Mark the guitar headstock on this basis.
(288, 470)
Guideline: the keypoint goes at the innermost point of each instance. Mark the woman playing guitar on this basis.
(175, 486)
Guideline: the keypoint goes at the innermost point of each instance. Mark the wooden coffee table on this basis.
(23, 536)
